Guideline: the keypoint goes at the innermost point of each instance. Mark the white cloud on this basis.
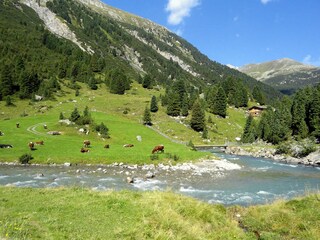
(179, 9)
(310, 61)
(265, 1)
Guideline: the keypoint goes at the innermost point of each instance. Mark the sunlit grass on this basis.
(76, 213)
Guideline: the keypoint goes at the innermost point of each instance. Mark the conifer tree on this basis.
(173, 107)
(197, 121)
(314, 115)
(147, 117)
(299, 126)
(249, 133)
(220, 103)
(258, 95)
(154, 104)
(74, 115)
(6, 84)
(147, 81)
(210, 97)
(184, 106)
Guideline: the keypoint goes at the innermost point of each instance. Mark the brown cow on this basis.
(107, 146)
(31, 145)
(39, 142)
(86, 143)
(128, 145)
(84, 150)
(159, 148)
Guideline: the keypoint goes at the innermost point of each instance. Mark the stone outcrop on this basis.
(54, 24)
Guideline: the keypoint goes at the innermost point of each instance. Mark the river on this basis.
(252, 181)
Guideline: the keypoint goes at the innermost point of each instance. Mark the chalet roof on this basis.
(258, 107)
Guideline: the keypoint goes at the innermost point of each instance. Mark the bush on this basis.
(283, 148)
(191, 145)
(25, 158)
(297, 149)
(154, 157)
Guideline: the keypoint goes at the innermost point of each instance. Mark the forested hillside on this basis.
(34, 60)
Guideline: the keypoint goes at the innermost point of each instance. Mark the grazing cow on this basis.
(84, 150)
(139, 138)
(107, 146)
(45, 126)
(17, 125)
(39, 143)
(86, 143)
(128, 145)
(159, 148)
(31, 145)
(1, 133)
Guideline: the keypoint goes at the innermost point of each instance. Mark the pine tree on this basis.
(118, 82)
(154, 104)
(173, 108)
(197, 121)
(184, 106)
(258, 95)
(314, 114)
(147, 81)
(220, 103)
(205, 133)
(299, 126)
(147, 117)
(8, 101)
(74, 115)
(249, 132)
(210, 98)
(6, 84)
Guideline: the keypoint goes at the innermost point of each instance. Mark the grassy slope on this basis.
(124, 128)
(83, 214)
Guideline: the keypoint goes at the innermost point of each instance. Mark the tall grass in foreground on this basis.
(83, 214)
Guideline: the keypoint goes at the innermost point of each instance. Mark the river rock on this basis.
(150, 175)
(67, 164)
(130, 180)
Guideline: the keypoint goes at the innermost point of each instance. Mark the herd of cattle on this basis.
(87, 143)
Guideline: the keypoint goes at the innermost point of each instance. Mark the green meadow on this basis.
(123, 117)
(77, 213)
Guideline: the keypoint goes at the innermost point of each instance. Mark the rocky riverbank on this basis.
(313, 159)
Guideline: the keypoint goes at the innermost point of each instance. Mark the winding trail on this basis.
(33, 130)
(166, 136)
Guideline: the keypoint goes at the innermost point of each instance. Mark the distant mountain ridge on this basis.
(285, 74)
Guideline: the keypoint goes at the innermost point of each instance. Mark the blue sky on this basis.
(239, 32)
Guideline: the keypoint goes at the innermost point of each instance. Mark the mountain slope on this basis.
(285, 74)
(116, 38)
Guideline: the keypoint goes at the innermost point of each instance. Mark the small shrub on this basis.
(25, 158)
(154, 157)
(175, 157)
(191, 145)
(283, 148)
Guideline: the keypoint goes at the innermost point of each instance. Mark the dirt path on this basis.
(166, 136)
(33, 130)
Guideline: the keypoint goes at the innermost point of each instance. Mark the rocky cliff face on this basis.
(54, 24)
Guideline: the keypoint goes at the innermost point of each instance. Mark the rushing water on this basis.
(257, 181)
